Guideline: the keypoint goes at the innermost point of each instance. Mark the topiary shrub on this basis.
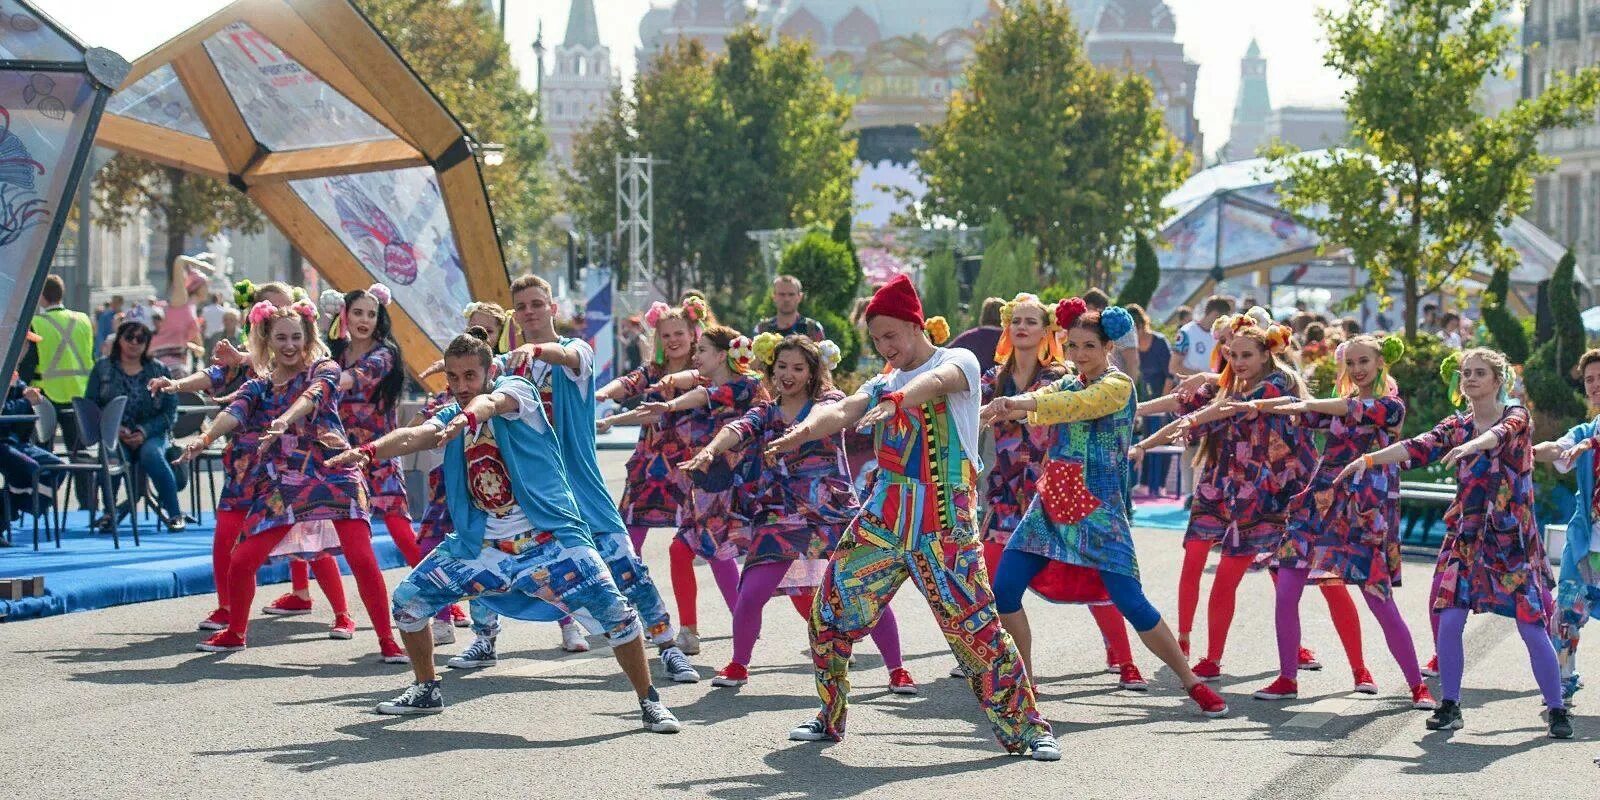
(1505, 330)
(1146, 277)
(941, 295)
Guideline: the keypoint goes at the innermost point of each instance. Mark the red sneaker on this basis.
(900, 682)
(1422, 699)
(222, 642)
(1432, 669)
(287, 606)
(1211, 703)
(1207, 670)
(458, 617)
(391, 652)
(1280, 689)
(1308, 660)
(1364, 682)
(218, 621)
(1131, 679)
(735, 674)
(343, 627)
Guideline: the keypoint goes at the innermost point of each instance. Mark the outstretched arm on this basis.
(219, 427)
(938, 382)
(197, 382)
(824, 421)
(399, 442)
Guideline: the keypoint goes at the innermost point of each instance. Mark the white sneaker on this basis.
(809, 731)
(957, 672)
(688, 642)
(443, 632)
(573, 639)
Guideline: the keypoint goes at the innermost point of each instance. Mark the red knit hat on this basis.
(897, 299)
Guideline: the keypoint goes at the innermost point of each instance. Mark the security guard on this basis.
(66, 352)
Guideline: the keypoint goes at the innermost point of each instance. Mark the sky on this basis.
(1215, 34)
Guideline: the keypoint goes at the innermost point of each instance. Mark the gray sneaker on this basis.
(678, 667)
(657, 719)
(809, 731)
(418, 698)
(1045, 748)
(478, 654)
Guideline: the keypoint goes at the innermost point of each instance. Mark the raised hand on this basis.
(162, 386)
(1352, 471)
(997, 409)
(880, 413)
(275, 429)
(227, 355)
(191, 449)
(1571, 454)
(787, 443)
(349, 458)
(698, 462)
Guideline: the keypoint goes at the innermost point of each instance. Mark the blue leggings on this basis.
(1017, 569)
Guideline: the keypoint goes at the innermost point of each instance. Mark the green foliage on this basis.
(458, 51)
(1146, 277)
(1074, 156)
(1007, 268)
(827, 269)
(1421, 193)
(941, 296)
(753, 138)
(1427, 397)
(1505, 330)
(1321, 376)
(1567, 315)
(841, 234)
(186, 203)
(1054, 293)
(1552, 392)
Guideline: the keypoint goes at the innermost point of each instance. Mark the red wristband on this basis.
(898, 398)
(472, 419)
(369, 450)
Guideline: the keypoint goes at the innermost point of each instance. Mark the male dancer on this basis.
(517, 528)
(568, 397)
(916, 523)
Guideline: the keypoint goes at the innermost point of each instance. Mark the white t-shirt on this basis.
(211, 315)
(963, 406)
(1195, 344)
(515, 521)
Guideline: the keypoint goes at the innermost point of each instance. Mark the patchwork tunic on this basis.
(365, 422)
(1019, 452)
(715, 525)
(656, 491)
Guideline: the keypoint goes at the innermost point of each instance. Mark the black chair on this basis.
(99, 427)
(44, 434)
(189, 425)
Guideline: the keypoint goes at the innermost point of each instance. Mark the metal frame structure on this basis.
(104, 71)
(636, 215)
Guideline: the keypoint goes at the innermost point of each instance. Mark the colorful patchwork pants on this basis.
(1575, 601)
(574, 580)
(632, 578)
(946, 564)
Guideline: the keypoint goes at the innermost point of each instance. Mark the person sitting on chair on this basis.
(147, 420)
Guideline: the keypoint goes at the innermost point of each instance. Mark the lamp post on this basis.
(53, 90)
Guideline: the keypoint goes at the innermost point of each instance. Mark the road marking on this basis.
(1320, 713)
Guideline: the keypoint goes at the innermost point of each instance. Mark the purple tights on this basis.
(1452, 656)
(1292, 583)
(755, 589)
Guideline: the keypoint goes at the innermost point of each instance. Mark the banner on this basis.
(600, 328)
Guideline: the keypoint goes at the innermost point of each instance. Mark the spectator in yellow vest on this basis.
(66, 352)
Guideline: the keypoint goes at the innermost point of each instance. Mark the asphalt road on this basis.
(116, 703)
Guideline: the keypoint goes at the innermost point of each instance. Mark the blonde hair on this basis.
(262, 356)
(1496, 361)
(1274, 341)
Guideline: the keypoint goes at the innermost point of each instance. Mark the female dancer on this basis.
(800, 505)
(718, 391)
(1078, 520)
(657, 492)
(292, 405)
(1492, 560)
(1347, 532)
(1028, 358)
(1578, 586)
(1255, 464)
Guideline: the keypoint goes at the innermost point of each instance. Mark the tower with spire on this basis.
(578, 86)
(1251, 108)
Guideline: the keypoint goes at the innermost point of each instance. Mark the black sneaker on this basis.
(1446, 717)
(657, 719)
(418, 698)
(478, 654)
(1560, 723)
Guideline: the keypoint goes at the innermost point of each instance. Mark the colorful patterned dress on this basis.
(1019, 451)
(1206, 473)
(295, 484)
(1255, 467)
(1350, 532)
(1493, 559)
(801, 504)
(656, 490)
(365, 422)
(436, 517)
(1092, 428)
(240, 455)
(716, 522)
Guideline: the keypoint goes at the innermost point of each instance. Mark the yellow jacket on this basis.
(66, 352)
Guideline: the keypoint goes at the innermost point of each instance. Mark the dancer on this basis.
(657, 492)
(304, 507)
(562, 369)
(517, 527)
(1347, 532)
(800, 504)
(1028, 358)
(1492, 560)
(916, 523)
(1075, 540)
(1254, 464)
(1578, 585)
(719, 390)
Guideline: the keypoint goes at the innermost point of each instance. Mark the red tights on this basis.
(685, 590)
(1219, 609)
(355, 539)
(1106, 616)
(400, 530)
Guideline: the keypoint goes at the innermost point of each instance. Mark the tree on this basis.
(1429, 180)
(941, 296)
(1008, 266)
(830, 276)
(1074, 156)
(1551, 386)
(750, 139)
(458, 51)
(187, 204)
(1506, 331)
(1146, 277)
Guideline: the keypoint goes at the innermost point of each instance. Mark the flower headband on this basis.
(830, 354)
(331, 301)
(260, 312)
(379, 293)
(652, 316)
(765, 346)
(244, 293)
(1049, 345)
(741, 351)
(938, 329)
(696, 309)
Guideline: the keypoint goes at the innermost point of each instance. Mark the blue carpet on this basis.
(87, 573)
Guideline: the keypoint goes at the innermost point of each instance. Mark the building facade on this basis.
(1560, 37)
(578, 86)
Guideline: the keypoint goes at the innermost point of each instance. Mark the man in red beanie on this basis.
(917, 524)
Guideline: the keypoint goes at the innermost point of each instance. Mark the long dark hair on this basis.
(820, 380)
(383, 334)
(116, 342)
